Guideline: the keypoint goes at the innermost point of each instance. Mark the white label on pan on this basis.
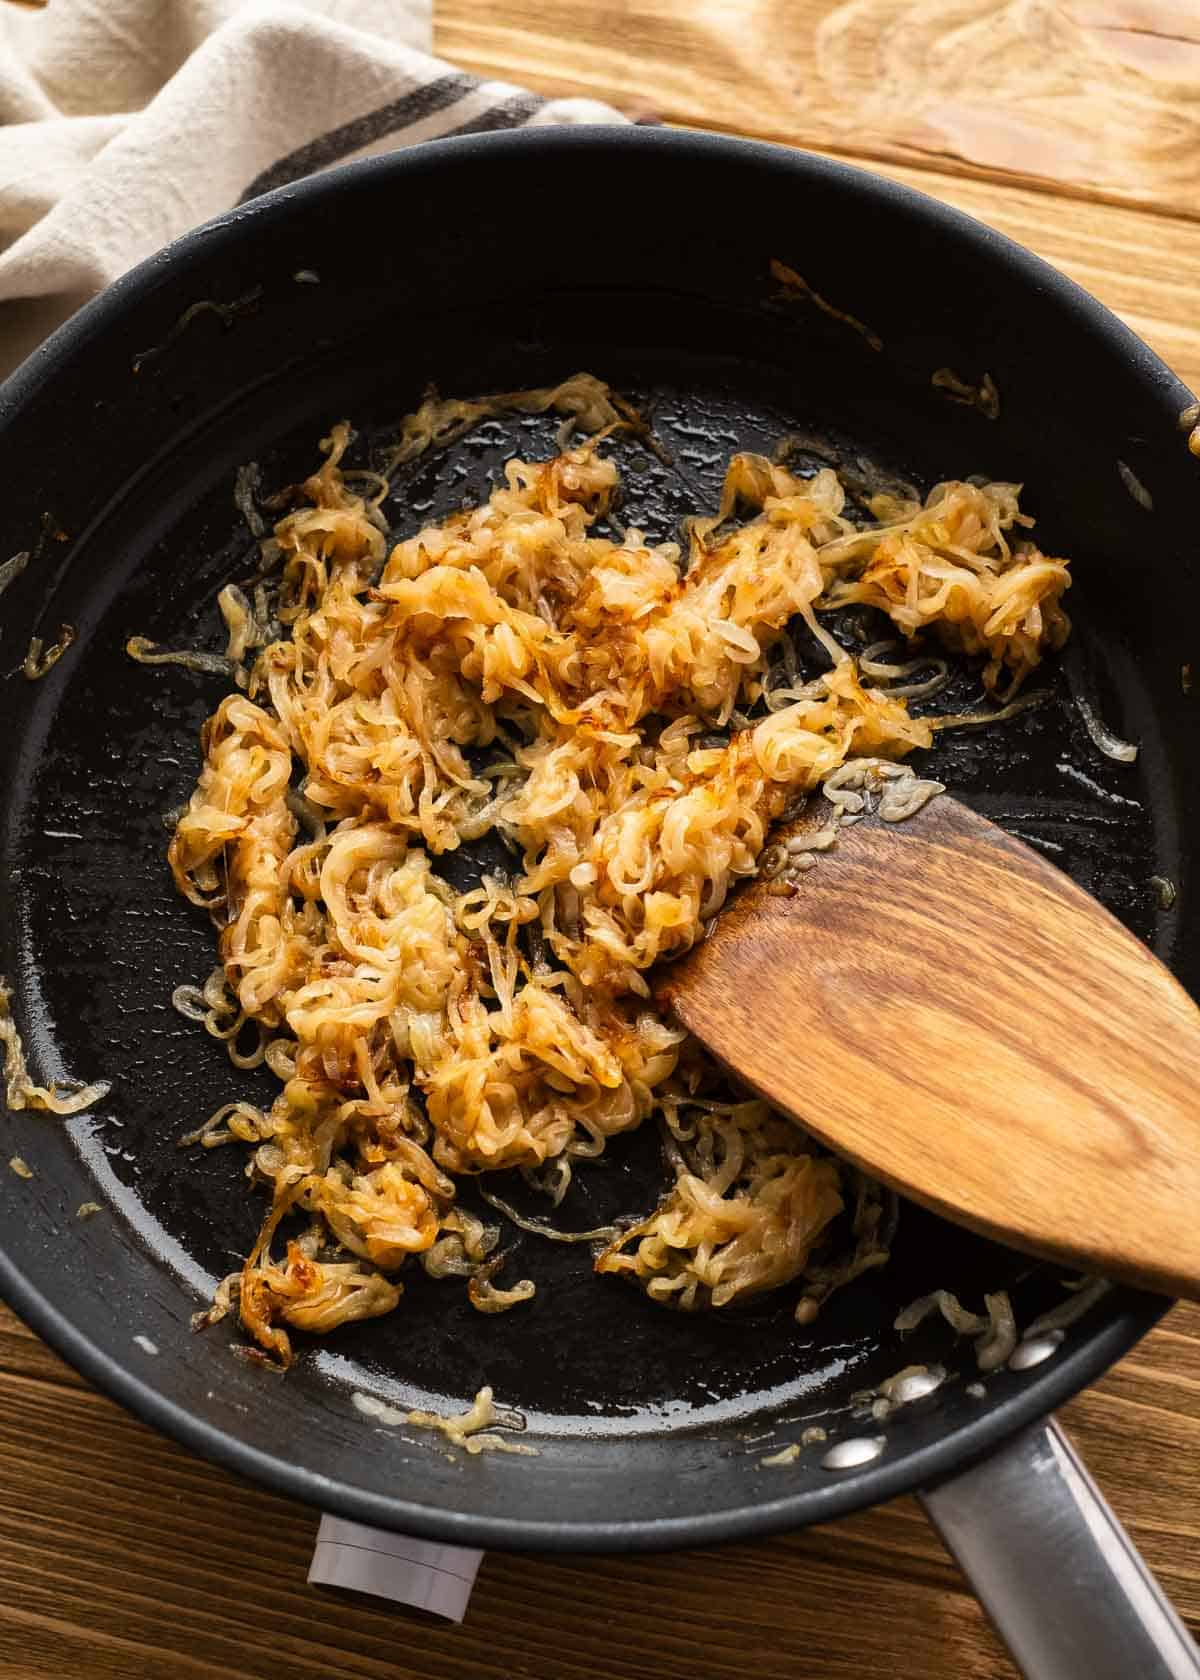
(418, 1572)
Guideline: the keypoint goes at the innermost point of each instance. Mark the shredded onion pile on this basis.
(510, 672)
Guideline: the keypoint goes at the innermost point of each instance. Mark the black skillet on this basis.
(485, 264)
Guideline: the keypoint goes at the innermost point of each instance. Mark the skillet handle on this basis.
(1058, 1575)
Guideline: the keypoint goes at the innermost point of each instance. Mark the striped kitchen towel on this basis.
(126, 122)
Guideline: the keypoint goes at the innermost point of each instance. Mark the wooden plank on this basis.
(1097, 97)
(121, 1555)
(169, 1567)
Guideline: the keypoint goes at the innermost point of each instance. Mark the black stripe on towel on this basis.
(339, 143)
(511, 114)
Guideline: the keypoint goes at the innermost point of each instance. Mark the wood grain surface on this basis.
(124, 1558)
(1072, 126)
(942, 956)
(1099, 98)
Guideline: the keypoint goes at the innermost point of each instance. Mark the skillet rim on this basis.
(1127, 1318)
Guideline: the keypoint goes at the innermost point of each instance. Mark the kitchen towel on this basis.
(126, 122)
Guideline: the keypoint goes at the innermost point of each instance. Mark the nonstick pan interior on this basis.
(649, 1425)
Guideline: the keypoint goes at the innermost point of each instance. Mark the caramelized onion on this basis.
(11, 569)
(594, 704)
(20, 1090)
(148, 653)
(40, 658)
(1102, 737)
(543, 1227)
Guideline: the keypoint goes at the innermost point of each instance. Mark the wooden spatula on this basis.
(946, 1009)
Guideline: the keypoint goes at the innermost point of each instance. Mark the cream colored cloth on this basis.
(126, 122)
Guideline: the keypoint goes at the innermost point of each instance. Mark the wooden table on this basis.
(1073, 125)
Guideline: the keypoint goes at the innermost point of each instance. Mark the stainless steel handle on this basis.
(1054, 1569)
